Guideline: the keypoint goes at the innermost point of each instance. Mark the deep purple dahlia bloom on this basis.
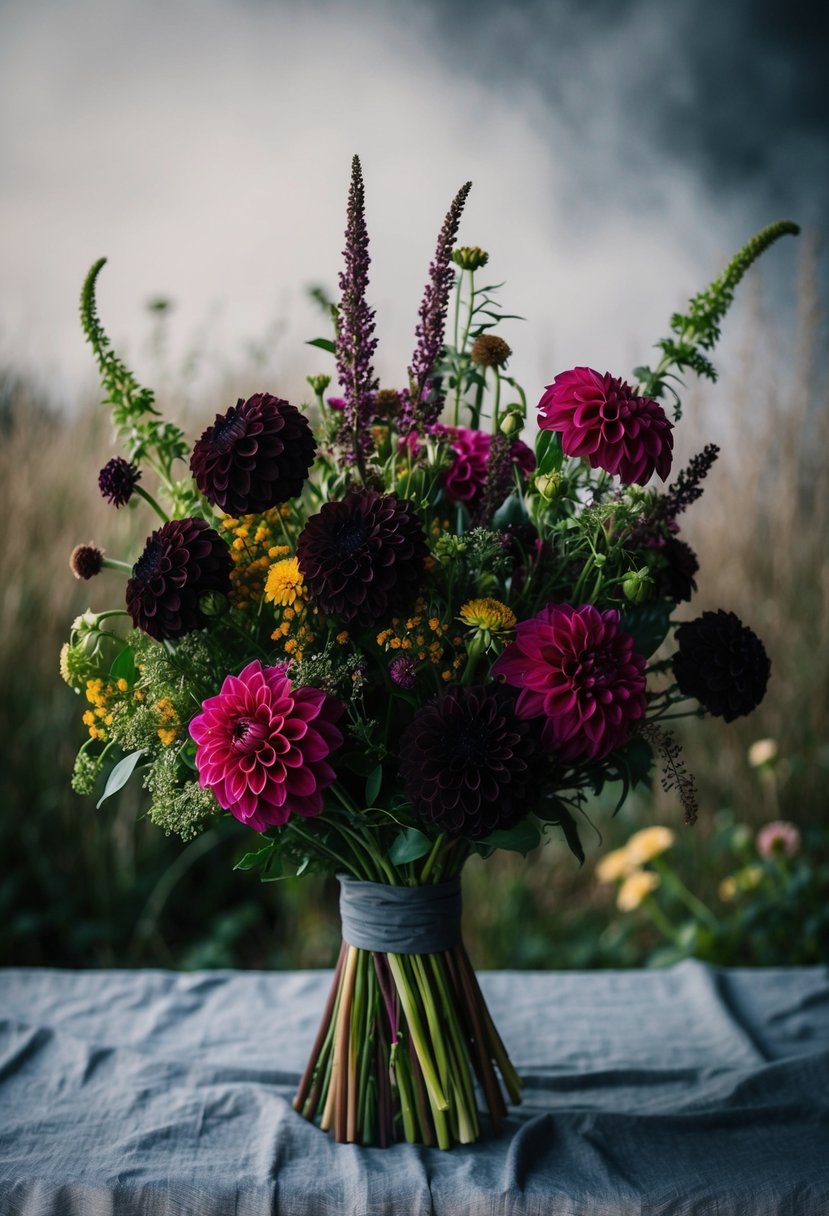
(117, 481)
(467, 762)
(182, 561)
(262, 746)
(601, 420)
(579, 672)
(722, 664)
(362, 556)
(256, 455)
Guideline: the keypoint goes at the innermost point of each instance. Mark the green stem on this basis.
(660, 920)
(437, 1097)
(149, 498)
(691, 901)
(430, 860)
(111, 563)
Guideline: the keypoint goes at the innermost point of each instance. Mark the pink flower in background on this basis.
(336, 403)
(577, 668)
(601, 420)
(464, 480)
(778, 839)
(262, 746)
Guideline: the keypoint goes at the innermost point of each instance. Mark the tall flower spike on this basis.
(432, 322)
(356, 343)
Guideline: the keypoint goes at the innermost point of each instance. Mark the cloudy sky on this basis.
(619, 151)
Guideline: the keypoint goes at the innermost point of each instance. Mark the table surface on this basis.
(687, 1090)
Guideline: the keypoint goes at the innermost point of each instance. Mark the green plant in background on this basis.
(772, 905)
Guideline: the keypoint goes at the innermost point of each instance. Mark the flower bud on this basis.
(319, 383)
(469, 257)
(549, 485)
(85, 561)
(512, 422)
(637, 586)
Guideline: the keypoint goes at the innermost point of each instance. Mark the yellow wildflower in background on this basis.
(635, 888)
(648, 843)
(284, 585)
(489, 614)
(762, 752)
(614, 865)
(728, 889)
(168, 719)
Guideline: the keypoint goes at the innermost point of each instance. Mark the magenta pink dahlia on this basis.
(577, 668)
(600, 419)
(465, 478)
(262, 746)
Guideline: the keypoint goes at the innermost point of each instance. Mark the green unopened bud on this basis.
(637, 586)
(512, 422)
(469, 257)
(319, 383)
(214, 604)
(549, 485)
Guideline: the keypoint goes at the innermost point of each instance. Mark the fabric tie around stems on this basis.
(400, 920)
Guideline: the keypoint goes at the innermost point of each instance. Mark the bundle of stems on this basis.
(402, 1041)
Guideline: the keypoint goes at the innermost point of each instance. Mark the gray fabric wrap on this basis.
(400, 920)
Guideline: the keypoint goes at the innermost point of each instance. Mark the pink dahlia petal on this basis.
(256, 751)
(601, 420)
(589, 685)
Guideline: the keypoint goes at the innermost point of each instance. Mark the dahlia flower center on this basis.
(249, 735)
(148, 565)
(586, 671)
(469, 744)
(350, 537)
(228, 431)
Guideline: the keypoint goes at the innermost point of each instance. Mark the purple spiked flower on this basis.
(356, 343)
(432, 323)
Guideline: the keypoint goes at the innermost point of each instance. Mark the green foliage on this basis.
(698, 330)
(139, 424)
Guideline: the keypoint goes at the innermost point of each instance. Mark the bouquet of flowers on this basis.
(385, 632)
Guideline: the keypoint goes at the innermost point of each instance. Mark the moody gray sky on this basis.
(619, 152)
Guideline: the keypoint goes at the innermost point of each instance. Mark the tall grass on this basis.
(87, 887)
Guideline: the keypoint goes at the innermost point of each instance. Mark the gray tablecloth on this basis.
(683, 1091)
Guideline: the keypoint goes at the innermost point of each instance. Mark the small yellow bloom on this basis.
(648, 843)
(284, 584)
(728, 888)
(763, 751)
(488, 614)
(634, 889)
(342, 637)
(615, 865)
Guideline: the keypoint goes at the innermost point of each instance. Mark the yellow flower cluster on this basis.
(625, 865)
(102, 696)
(294, 631)
(169, 720)
(254, 546)
(425, 638)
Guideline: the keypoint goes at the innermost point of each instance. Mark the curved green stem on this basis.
(160, 512)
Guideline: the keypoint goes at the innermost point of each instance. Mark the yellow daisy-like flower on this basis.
(615, 865)
(727, 889)
(648, 843)
(488, 614)
(634, 889)
(284, 585)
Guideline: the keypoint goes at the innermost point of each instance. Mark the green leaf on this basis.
(648, 624)
(123, 668)
(408, 846)
(120, 775)
(251, 861)
(322, 344)
(521, 839)
(373, 783)
(548, 454)
(511, 511)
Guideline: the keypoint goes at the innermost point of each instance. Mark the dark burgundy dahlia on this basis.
(362, 556)
(674, 578)
(117, 481)
(183, 560)
(256, 455)
(722, 664)
(467, 762)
